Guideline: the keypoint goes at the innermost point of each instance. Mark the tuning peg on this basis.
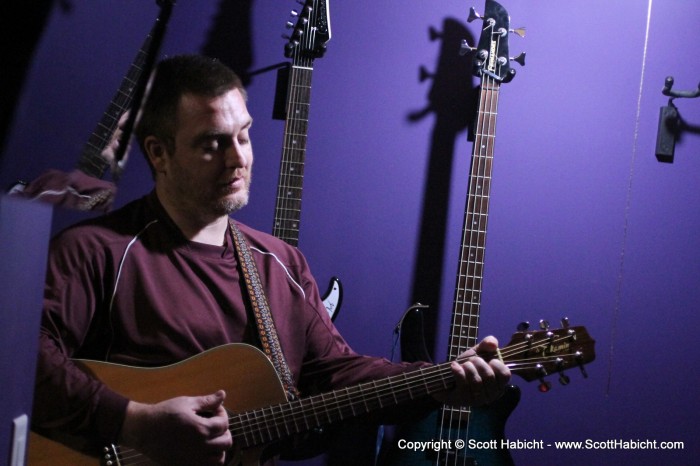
(290, 46)
(579, 360)
(544, 385)
(473, 15)
(294, 13)
(564, 322)
(465, 48)
(523, 326)
(520, 59)
(544, 325)
(563, 378)
(518, 31)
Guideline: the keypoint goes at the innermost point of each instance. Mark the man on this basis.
(159, 280)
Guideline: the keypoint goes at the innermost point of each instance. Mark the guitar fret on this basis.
(289, 191)
(299, 135)
(471, 304)
(290, 175)
(464, 328)
(291, 194)
(294, 217)
(92, 162)
(276, 426)
(294, 164)
(288, 187)
(256, 434)
(267, 424)
(467, 273)
(471, 261)
(461, 341)
(462, 290)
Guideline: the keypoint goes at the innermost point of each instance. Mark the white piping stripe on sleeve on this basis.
(284, 267)
(119, 273)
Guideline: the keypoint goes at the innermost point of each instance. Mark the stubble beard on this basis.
(229, 206)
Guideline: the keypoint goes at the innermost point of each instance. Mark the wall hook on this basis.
(668, 84)
(670, 122)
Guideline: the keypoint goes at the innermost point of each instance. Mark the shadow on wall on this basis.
(27, 26)
(229, 37)
(452, 99)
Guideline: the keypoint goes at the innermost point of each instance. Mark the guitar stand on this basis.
(671, 125)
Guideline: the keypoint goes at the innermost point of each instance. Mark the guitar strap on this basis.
(263, 318)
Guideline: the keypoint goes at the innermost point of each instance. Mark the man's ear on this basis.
(156, 153)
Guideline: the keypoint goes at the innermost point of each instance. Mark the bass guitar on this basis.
(260, 415)
(456, 424)
(307, 42)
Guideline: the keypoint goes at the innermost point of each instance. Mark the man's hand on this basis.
(180, 431)
(481, 379)
(109, 153)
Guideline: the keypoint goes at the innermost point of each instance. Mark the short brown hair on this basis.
(174, 77)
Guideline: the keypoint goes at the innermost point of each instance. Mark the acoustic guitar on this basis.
(260, 415)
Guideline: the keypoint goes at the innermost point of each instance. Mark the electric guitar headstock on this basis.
(533, 355)
(311, 32)
(491, 59)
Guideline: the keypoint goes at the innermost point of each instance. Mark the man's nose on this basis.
(235, 156)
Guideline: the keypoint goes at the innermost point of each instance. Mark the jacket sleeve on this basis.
(66, 396)
(330, 363)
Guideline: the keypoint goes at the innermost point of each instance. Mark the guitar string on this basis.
(299, 120)
(119, 104)
(288, 166)
(394, 390)
(259, 426)
(481, 228)
(288, 146)
(291, 171)
(264, 433)
(477, 216)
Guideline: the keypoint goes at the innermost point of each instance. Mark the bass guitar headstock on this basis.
(491, 59)
(311, 32)
(533, 355)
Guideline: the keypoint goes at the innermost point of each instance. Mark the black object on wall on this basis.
(671, 125)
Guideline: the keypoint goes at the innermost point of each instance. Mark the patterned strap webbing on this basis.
(263, 319)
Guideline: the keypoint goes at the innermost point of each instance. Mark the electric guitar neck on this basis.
(307, 41)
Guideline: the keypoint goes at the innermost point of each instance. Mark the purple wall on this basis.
(584, 222)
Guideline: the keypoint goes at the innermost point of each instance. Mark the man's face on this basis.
(209, 173)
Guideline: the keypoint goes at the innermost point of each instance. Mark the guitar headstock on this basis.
(311, 32)
(533, 355)
(491, 59)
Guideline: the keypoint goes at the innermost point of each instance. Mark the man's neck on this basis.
(211, 233)
(195, 226)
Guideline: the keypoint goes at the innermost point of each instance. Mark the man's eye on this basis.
(213, 146)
